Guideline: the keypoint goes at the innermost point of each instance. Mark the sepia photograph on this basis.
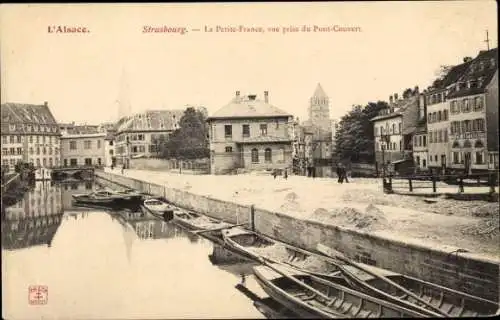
(254, 160)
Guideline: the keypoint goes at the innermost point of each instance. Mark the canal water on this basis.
(114, 265)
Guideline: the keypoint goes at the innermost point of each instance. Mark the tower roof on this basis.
(319, 92)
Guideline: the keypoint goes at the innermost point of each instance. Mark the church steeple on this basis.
(319, 109)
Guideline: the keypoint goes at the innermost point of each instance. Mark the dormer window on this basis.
(492, 63)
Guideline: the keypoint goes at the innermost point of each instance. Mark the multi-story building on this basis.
(79, 149)
(438, 118)
(109, 149)
(29, 134)
(474, 115)
(394, 129)
(139, 135)
(250, 133)
(420, 148)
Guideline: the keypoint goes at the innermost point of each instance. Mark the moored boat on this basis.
(313, 297)
(101, 197)
(258, 246)
(424, 297)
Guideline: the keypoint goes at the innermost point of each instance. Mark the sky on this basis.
(83, 76)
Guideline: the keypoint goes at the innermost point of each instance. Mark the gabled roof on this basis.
(319, 92)
(451, 77)
(152, 120)
(248, 107)
(21, 114)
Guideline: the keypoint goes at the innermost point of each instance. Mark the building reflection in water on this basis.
(34, 219)
(74, 187)
(146, 226)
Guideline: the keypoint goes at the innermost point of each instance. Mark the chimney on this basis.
(467, 59)
(390, 99)
(252, 97)
(395, 97)
(266, 96)
(416, 90)
(45, 103)
(237, 94)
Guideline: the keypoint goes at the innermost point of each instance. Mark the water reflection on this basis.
(114, 265)
(34, 219)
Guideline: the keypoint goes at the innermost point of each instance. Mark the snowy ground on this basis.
(360, 204)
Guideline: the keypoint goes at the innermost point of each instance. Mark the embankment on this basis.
(475, 274)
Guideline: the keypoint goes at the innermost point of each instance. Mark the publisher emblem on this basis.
(38, 295)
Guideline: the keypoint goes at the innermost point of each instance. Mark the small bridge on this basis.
(75, 171)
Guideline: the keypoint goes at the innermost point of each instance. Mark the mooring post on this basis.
(410, 185)
(252, 217)
(434, 183)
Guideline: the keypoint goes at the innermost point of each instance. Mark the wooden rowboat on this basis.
(319, 298)
(412, 293)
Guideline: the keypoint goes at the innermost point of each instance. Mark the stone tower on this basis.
(319, 110)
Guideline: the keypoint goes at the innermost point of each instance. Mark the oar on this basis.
(221, 228)
(302, 284)
(335, 254)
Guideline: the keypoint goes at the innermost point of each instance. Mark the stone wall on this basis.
(466, 272)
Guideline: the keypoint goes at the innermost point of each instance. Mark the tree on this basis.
(190, 141)
(355, 136)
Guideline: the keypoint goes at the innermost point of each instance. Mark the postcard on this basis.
(249, 160)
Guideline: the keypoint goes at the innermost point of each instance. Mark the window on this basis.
(440, 136)
(263, 129)
(400, 145)
(44, 150)
(12, 151)
(465, 105)
(255, 155)
(19, 151)
(445, 115)
(439, 116)
(229, 149)
(456, 159)
(11, 139)
(424, 140)
(72, 145)
(51, 162)
(18, 138)
(430, 137)
(65, 162)
(424, 163)
(246, 130)
(88, 161)
(436, 158)
(399, 128)
(38, 162)
(44, 162)
(111, 142)
(377, 146)
(478, 144)
(87, 144)
(467, 144)
(99, 161)
(394, 145)
(419, 141)
(277, 124)
(417, 160)
(98, 144)
(73, 162)
(445, 135)
(393, 130)
(228, 131)
(479, 158)
(268, 155)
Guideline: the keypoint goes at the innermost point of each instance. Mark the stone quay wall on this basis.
(467, 272)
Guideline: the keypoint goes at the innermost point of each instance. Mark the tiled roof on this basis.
(249, 107)
(16, 116)
(387, 116)
(264, 139)
(151, 120)
(479, 68)
(451, 77)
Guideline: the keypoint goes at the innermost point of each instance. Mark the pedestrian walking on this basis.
(286, 174)
(274, 173)
(339, 174)
(123, 168)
